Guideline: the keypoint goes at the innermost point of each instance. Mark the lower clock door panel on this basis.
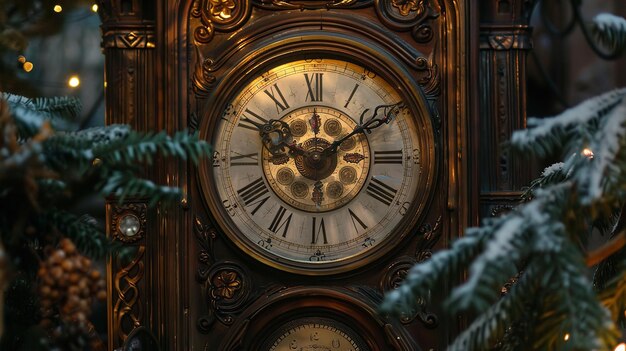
(315, 319)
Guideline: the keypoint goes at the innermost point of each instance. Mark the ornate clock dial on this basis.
(314, 198)
(315, 334)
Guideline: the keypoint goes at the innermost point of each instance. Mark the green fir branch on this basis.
(502, 256)
(125, 185)
(60, 107)
(138, 147)
(601, 176)
(30, 114)
(551, 175)
(614, 295)
(442, 266)
(50, 190)
(571, 306)
(492, 324)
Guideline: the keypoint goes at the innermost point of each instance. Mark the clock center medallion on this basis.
(319, 177)
(315, 165)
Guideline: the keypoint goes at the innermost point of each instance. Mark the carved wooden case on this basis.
(176, 66)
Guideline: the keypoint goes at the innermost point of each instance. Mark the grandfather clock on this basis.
(342, 155)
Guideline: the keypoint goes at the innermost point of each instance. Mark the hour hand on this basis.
(276, 136)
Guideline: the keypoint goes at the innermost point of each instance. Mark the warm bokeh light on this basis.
(73, 81)
(587, 152)
(566, 337)
(620, 347)
(21, 59)
(28, 66)
(94, 8)
(58, 8)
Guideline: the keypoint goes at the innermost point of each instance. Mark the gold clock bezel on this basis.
(266, 56)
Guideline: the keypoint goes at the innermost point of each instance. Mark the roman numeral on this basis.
(278, 223)
(356, 86)
(281, 105)
(315, 87)
(315, 231)
(355, 220)
(251, 120)
(381, 191)
(252, 160)
(388, 157)
(251, 194)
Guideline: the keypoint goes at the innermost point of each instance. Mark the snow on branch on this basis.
(610, 31)
(544, 135)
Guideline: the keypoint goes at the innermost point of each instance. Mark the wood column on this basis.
(505, 38)
(128, 42)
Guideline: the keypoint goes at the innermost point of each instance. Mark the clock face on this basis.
(315, 334)
(302, 179)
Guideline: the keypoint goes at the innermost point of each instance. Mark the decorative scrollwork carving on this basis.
(396, 273)
(310, 5)
(128, 309)
(422, 33)
(225, 284)
(393, 277)
(118, 212)
(205, 234)
(428, 78)
(405, 15)
(429, 236)
(203, 78)
(218, 15)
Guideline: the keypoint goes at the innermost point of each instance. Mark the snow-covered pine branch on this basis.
(610, 31)
(568, 129)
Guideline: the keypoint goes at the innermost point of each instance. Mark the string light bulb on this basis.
(73, 82)
(57, 8)
(566, 337)
(94, 7)
(28, 66)
(620, 347)
(24, 64)
(587, 152)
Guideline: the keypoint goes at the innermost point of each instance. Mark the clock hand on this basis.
(375, 121)
(276, 135)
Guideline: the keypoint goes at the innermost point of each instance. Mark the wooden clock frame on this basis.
(186, 285)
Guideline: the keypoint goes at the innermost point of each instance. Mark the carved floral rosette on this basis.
(227, 290)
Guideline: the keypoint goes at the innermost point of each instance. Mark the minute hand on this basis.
(375, 121)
